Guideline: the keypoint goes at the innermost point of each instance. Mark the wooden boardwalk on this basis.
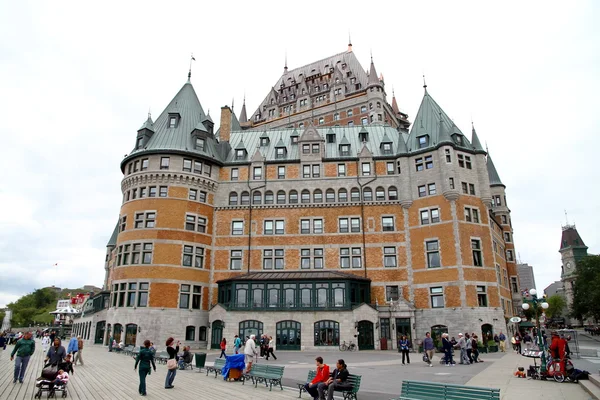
(111, 376)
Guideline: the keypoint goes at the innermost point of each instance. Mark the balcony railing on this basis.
(280, 306)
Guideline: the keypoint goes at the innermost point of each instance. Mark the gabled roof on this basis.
(493, 174)
(427, 122)
(112, 242)
(570, 238)
(148, 124)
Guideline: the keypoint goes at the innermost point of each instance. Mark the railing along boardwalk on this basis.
(111, 376)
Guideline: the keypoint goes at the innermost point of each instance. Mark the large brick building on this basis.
(323, 216)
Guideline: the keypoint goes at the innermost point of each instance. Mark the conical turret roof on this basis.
(373, 77)
(148, 124)
(492, 173)
(475, 140)
(243, 117)
(395, 105)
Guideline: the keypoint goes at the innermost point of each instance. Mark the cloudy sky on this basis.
(77, 81)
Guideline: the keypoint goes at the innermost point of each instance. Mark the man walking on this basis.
(502, 338)
(428, 347)
(73, 346)
(237, 343)
(250, 352)
(24, 348)
(79, 355)
(462, 345)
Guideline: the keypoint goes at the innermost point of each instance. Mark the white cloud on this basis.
(77, 81)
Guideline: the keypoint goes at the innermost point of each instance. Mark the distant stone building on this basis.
(572, 250)
(319, 218)
(554, 288)
(526, 277)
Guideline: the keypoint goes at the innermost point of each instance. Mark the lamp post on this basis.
(536, 303)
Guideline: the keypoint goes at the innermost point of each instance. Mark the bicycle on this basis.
(348, 347)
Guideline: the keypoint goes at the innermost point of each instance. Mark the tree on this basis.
(556, 305)
(586, 289)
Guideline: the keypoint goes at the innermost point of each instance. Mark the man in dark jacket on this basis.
(338, 380)
(24, 348)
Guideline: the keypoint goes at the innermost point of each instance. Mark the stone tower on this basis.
(572, 250)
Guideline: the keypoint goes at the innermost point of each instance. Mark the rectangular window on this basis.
(481, 296)
(471, 189)
(280, 172)
(305, 226)
(268, 228)
(198, 167)
(345, 258)
(143, 192)
(123, 223)
(423, 141)
(305, 258)
(136, 165)
(237, 228)
(437, 297)
(468, 162)
(343, 226)
(193, 194)
(341, 168)
(144, 164)
(235, 174)
(451, 182)
(504, 220)
(200, 144)
(145, 220)
(387, 148)
(134, 194)
(147, 253)
(202, 196)
(448, 156)
(510, 256)
(433, 253)
(184, 296)
(422, 191)
(513, 284)
(465, 190)
(507, 237)
(196, 299)
(461, 160)
(435, 215)
(356, 257)
(143, 295)
(431, 189)
(389, 255)
(315, 148)
(392, 293)
(366, 169)
(419, 164)
(476, 247)
(344, 150)
(162, 191)
(257, 173)
(306, 149)
(164, 162)
(306, 171)
(428, 162)
(391, 170)
(316, 171)
(468, 217)
(387, 224)
(354, 224)
(475, 215)
(235, 260)
(187, 165)
(318, 258)
(317, 226)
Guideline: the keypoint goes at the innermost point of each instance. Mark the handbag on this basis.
(425, 357)
(172, 364)
(49, 372)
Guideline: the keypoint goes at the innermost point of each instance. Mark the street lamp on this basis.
(536, 303)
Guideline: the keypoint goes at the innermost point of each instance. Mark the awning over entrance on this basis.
(526, 324)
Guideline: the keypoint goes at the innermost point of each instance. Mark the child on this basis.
(61, 378)
(520, 373)
(67, 365)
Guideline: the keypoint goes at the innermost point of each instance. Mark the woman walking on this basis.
(404, 348)
(171, 363)
(270, 348)
(447, 346)
(57, 353)
(45, 342)
(223, 348)
(145, 357)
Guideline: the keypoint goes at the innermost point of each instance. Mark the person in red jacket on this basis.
(223, 348)
(557, 347)
(322, 376)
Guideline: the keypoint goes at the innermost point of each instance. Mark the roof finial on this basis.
(232, 101)
(371, 50)
(190, 71)
(486, 148)
(424, 84)
(149, 113)
(567, 217)
(349, 42)
(285, 68)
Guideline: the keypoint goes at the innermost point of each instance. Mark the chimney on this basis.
(225, 128)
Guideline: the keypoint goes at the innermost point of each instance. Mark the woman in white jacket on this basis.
(45, 342)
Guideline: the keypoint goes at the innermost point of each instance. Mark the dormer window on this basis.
(264, 141)
(173, 120)
(331, 137)
(363, 135)
(200, 144)
(386, 148)
(423, 141)
(458, 139)
(344, 150)
(316, 148)
(280, 152)
(140, 142)
(240, 154)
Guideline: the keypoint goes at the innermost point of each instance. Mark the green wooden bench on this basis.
(354, 380)
(162, 357)
(417, 390)
(127, 350)
(217, 367)
(268, 374)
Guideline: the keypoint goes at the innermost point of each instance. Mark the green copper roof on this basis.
(113, 238)
(432, 121)
(475, 141)
(148, 124)
(492, 173)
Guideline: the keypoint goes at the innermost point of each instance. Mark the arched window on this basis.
(355, 195)
(327, 333)
(367, 194)
(378, 104)
(318, 196)
(190, 333)
(380, 194)
(305, 196)
(245, 198)
(268, 197)
(330, 196)
(256, 197)
(118, 329)
(280, 197)
(250, 327)
(131, 331)
(343, 196)
(392, 193)
(202, 334)
(293, 197)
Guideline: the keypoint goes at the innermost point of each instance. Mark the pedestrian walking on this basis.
(428, 348)
(56, 354)
(2, 343)
(447, 346)
(462, 345)
(73, 346)
(171, 362)
(24, 349)
(474, 349)
(502, 338)
(79, 354)
(270, 348)
(237, 343)
(404, 346)
(250, 352)
(518, 342)
(45, 342)
(144, 358)
(110, 343)
(223, 348)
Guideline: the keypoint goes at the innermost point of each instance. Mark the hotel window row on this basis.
(307, 225)
(125, 294)
(143, 192)
(134, 253)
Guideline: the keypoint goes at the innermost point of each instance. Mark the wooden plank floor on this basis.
(111, 376)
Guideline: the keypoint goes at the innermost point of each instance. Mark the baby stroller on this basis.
(45, 383)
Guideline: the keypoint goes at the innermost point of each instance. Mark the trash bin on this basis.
(383, 342)
(200, 360)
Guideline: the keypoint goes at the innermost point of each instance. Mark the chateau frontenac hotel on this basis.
(327, 215)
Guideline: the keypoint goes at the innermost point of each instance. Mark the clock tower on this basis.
(572, 249)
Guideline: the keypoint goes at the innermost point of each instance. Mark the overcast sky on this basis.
(77, 81)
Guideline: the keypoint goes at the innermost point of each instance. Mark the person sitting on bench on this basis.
(321, 377)
(338, 380)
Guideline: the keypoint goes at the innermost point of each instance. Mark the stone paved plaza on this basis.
(111, 376)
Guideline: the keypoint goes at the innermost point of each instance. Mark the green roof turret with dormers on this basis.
(431, 127)
(493, 174)
(148, 124)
